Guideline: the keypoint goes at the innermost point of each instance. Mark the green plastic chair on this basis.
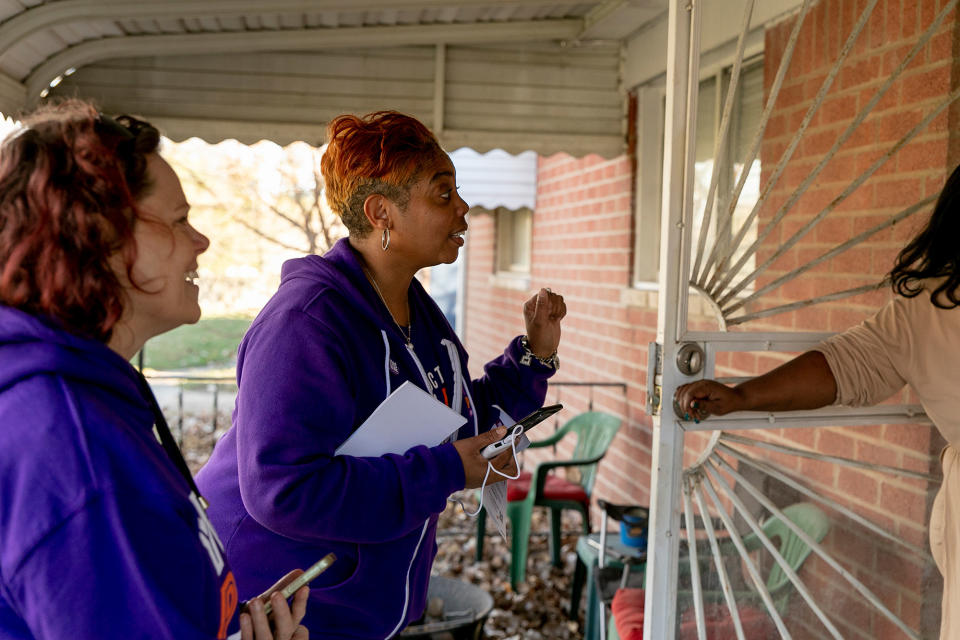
(794, 550)
(595, 431)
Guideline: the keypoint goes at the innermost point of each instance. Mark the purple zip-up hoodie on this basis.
(100, 535)
(320, 357)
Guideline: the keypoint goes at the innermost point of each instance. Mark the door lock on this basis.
(690, 359)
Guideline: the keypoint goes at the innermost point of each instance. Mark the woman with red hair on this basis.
(341, 333)
(103, 533)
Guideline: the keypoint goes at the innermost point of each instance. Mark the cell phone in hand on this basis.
(535, 418)
(304, 578)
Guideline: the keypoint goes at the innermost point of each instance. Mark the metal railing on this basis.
(214, 384)
(591, 385)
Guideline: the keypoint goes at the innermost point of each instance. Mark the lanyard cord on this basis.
(166, 438)
(513, 434)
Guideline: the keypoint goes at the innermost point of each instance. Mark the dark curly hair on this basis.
(69, 185)
(934, 252)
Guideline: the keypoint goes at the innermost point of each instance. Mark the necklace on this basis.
(408, 334)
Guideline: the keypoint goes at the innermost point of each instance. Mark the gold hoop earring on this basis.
(385, 239)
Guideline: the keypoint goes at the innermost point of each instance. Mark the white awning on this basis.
(496, 179)
(510, 74)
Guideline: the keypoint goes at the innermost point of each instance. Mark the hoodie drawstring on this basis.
(386, 362)
(459, 384)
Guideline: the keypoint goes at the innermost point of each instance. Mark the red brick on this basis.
(875, 28)
(862, 199)
(819, 472)
(898, 193)
(864, 135)
(917, 156)
(905, 503)
(900, 569)
(926, 84)
(912, 437)
(928, 10)
(893, 20)
(848, 546)
(876, 454)
(909, 25)
(920, 463)
(811, 88)
(833, 229)
(853, 261)
(858, 485)
(839, 109)
(812, 319)
(940, 46)
(806, 438)
(835, 443)
(853, 609)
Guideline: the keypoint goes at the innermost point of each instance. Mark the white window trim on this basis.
(650, 125)
(650, 122)
(505, 241)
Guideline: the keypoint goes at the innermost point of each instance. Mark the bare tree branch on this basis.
(317, 194)
(276, 211)
(304, 213)
(265, 236)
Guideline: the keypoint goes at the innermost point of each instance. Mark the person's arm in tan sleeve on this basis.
(859, 367)
(805, 382)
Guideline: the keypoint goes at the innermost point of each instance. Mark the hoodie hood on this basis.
(340, 269)
(31, 345)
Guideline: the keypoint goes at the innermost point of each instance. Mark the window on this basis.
(513, 241)
(745, 120)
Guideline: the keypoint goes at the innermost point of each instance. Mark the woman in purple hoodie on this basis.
(103, 534)
(340, 334)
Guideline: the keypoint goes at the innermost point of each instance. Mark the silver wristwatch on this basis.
(552, 361)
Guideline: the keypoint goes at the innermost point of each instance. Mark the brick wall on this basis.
(907, 584)
(582, 230)
(582, 247)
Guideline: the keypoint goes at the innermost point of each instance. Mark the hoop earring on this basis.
(385, 239)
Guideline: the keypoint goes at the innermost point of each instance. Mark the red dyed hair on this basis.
(380, 153)
(69, 185)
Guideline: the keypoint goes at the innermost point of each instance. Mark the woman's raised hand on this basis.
(542, 314)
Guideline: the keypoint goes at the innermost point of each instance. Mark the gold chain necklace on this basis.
(408, 334)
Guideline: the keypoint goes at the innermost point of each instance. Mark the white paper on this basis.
(408, 417)
(495, 502)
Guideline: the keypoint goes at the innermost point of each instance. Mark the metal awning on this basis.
(511, 74)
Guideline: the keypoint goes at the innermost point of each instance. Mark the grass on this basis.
(210, 342)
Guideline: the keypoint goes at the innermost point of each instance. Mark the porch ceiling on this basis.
(513, 74)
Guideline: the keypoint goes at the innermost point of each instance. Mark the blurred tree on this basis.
(291, 190)
(261, 205)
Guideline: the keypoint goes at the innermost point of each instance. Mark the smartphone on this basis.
(304, 578)
(535, 418)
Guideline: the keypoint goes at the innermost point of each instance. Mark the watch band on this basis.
(552, 361)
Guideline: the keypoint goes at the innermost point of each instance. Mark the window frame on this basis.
(515, 275)
(650, 125)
